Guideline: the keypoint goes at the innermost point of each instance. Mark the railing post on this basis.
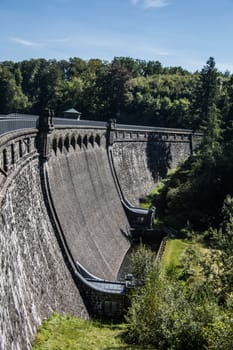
(45, 130)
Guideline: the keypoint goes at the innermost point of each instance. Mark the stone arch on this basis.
(85, 141)
(55, 145)
(12, 153)
(79, 141)
(67, 142)
(73, 142)
(97, 140)
(5, 160)
(91, 140)
(20, 148)
(60, 144)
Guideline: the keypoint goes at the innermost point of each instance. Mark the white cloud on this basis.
(61, 40)
(155, 3)
(25, 42)
(151, 3)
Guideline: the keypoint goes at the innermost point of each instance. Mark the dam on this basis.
(69, 194)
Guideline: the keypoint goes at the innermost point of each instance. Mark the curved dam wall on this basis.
(34, 279)
(142, 158)
(86, 201)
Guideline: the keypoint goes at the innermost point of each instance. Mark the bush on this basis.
(165, 315)
(142, 261)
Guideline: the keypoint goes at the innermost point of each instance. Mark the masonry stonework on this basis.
(142, 159)
(35, 280)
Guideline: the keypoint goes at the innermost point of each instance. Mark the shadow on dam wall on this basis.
(159, 158)
(89, 209)
(139, 166)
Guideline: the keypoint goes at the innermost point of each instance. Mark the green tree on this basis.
(206, 93)
(12, 98)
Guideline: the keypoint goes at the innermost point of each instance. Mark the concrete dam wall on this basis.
(34, 280)
(87, 204)
(72, 161)
(142, 158)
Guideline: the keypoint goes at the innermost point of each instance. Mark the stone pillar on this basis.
(45, 130)
(111, 129)
(191, 143)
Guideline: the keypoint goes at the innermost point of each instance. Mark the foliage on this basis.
(219, 267)
(190, 305)
(164, 314)
(192, 198)
(71, 333)
(173, 250)
(131, 90)
(141, 262)
(183, 310)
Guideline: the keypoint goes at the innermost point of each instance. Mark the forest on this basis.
(133, 91)
(190, 307)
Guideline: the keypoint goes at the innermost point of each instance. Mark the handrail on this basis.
(18, 120)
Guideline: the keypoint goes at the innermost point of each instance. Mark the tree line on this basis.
(133, 91)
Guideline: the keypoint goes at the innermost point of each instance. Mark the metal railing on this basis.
(17, 121)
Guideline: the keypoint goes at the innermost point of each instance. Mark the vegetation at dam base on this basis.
(71, 333)
(185, 303)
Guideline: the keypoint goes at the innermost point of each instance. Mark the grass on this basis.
(173, 250)
(71, 333)
(146, 202)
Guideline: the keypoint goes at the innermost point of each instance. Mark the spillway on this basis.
(89, 209)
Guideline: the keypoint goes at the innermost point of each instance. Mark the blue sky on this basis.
(175, 32)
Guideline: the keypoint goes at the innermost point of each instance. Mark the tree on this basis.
(206, 93)
(12, 98)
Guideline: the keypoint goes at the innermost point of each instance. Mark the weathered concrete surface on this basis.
(89, 209)
(34, 279)
(141, 165)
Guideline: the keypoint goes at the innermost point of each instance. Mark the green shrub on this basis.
(141, 262)
(164, 314)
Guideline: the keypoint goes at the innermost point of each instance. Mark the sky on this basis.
(175, 32)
